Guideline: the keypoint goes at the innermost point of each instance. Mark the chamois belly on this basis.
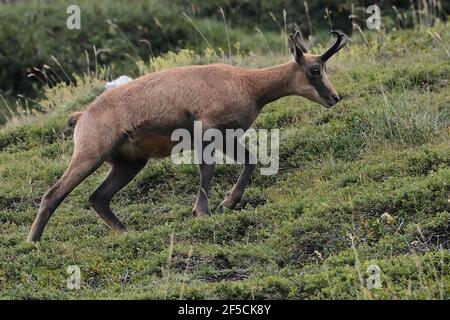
(147, 145)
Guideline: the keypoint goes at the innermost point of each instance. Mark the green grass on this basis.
(365, 183)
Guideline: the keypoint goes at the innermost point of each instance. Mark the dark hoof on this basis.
(199, 213)
(227, 204)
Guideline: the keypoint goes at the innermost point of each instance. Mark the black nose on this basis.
(336, 98)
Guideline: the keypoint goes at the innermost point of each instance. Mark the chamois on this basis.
(129, 124)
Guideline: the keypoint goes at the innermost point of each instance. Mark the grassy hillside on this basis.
(366, 183)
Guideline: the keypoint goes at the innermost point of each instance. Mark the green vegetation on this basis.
(115, 33)
(365, 183)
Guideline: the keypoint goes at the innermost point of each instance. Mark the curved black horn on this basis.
(341, 41)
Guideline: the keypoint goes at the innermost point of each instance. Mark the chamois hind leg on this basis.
(234, 196)
(80, 167)
(201, 208)
(122, 172)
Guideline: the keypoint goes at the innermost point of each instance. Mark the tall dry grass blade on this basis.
(88, 64)
(365, 293)
(352, 14)
(274, 19)
(46, 82)
(264, 40)
(8, 108)
(441, 42)
(47, 67)
(149, 45)
(95, 60)
(61, 67)
(188, 263)
(308, 19)
(442, 280)
(160, 26)
(357, 263)
(413, 13)
(31, 75)
(199, 32)
(228, 35)
(168, 266)
(123, 35)
(398, 17)
(40, 107)
(285, 39)
(328, 15)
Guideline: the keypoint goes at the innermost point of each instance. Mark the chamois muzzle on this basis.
(341, 41)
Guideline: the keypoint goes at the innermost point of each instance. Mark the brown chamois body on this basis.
(127, 125)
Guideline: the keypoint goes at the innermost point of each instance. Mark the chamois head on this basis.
(311, 81)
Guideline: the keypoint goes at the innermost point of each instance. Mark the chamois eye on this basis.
(315, 72)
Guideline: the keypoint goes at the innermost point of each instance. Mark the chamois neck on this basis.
(273, 83)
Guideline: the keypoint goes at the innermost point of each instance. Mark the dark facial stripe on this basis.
(320, 87)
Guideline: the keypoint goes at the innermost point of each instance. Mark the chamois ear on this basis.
(296, 46)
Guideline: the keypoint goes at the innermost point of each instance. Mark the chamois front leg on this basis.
(235, 195)
(201, 208)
